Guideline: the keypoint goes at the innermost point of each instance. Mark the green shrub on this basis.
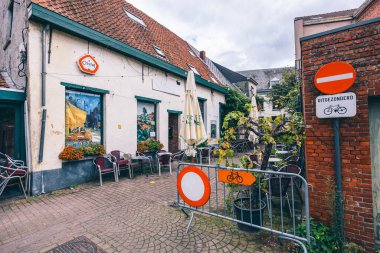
(326, 240)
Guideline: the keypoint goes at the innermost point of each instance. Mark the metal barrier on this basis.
(253, 208)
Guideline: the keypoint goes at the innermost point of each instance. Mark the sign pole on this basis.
(338, 174)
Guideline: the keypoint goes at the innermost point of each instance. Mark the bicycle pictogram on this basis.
(335, 108)
(234, 176)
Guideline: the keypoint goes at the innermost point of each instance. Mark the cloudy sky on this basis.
(240, 34)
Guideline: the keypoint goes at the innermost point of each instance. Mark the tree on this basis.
(286, 129)
(286, 94)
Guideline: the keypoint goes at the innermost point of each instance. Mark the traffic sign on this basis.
(334, 78)
(341, 105)
(236, 177)
(193, 186)
(88, 64)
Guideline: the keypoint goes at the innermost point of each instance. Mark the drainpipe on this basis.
(43, 94)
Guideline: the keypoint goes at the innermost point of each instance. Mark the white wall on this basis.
(267, 110)
(121, 75)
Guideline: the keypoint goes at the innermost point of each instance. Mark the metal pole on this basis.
(338, 171)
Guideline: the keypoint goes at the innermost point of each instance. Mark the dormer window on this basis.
(159, 51)
(194, 69)
(274, 81)
(134, 17)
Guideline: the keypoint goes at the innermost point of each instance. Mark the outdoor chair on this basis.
(105, 166)
(278, 188)
(11, 176)
(123, 161)
(164, 159)
(292, 159)
(7, 161)
(204, 153)
(178, 156)
(144, 160)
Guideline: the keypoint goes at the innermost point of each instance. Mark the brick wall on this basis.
(359, 46)
(372, 11)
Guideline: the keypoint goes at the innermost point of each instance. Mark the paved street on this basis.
(128, 216)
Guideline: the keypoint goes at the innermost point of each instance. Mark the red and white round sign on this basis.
(193, 186)
(335, 77)
(88, 64)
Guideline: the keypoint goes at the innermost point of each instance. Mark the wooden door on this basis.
(173, 132)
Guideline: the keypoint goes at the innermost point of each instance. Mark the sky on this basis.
(240, 34)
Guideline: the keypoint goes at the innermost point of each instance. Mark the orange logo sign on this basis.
(236, 177)
(88, 64)
(335, 77)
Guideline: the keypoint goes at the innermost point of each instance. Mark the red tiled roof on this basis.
(109, 18)
(3, 84)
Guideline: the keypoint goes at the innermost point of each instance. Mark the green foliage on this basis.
(287, 93)
(353, 248)
(149, 145)
(203, 144)
(326, 240)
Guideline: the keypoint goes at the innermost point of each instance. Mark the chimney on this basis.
(202, 54)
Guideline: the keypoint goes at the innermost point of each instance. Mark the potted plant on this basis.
(149, 147)
(77, 164)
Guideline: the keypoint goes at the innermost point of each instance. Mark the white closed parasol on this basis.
(192, 129)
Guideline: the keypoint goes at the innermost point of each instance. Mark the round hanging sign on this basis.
(193, 186)
(88, 64)
(335, 77)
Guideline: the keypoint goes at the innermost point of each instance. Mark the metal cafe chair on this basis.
(105, 166)
(164, 159)
(10, 176)
(204, 153)
(117, 158)
(8, 161)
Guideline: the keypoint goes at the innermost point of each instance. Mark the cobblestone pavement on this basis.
(125, 216)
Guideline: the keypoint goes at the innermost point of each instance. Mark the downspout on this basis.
(43, 94)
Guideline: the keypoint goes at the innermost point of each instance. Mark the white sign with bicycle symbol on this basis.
(341, 105)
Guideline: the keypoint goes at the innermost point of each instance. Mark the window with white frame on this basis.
(134, 17)
(193, 69)
(159, 51)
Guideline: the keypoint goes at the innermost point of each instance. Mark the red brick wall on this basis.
(372, 11)
(359, 46)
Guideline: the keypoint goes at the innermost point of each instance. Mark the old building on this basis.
(91, 79)
(359, 45)
(266, 79)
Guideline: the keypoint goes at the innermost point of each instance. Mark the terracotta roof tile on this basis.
(109, 18)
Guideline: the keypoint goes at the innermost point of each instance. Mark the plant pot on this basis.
(245, 214)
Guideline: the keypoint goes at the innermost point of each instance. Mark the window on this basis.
(8, 33)
(202, 108)
(134, 17)
(146, 120)
(213, 129)
(273, 82)
(193, 69)
(159, 51)
(84, 118)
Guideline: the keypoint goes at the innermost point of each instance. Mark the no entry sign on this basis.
(334, 78)
(193, 186)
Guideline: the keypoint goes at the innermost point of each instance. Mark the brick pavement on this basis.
(128, 216)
